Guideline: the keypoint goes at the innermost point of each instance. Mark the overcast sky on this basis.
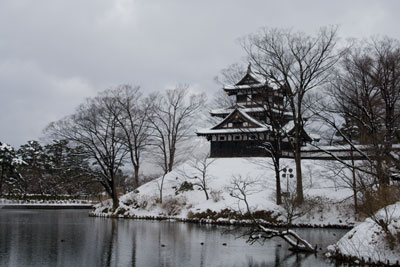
(55, 53)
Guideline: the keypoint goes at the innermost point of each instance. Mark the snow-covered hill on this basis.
(319, 184)
(369, 241)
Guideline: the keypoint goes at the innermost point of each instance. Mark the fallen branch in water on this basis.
(240, 189)
(297, 243)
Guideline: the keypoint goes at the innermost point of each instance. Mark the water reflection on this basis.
(70, 238)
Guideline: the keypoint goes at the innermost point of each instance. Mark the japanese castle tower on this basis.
(245, 126)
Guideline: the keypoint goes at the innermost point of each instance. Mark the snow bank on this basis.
(368, 240)
(143, 202)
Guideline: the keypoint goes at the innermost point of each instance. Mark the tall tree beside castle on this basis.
(298, 63)
(257, 125)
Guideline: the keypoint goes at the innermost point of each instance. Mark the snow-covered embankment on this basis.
(182, 202)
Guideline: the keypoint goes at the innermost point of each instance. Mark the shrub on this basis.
(267, 215)
(378, 198)
(105, 210)
(185, 186)
(173, 206)
(216, 195)
(128, 201)
(120, 211)
(138, 202)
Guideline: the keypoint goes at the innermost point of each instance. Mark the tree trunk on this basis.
(299, 180)
(354, 182)
(136, 170)
(297, 155)
(380, 173)
(114, 193)
(278, 182)
(171, 160)
(135, 162)
(205, 192)
(161, 187)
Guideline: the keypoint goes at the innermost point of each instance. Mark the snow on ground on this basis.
(368, 240)
(143, 202)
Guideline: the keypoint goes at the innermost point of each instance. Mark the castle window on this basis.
(249, 98)
(252, 137)
(241, 98)
(222, 138)
(237, 137)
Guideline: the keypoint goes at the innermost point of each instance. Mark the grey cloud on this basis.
(54, 53)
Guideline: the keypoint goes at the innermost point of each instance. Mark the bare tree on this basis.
(172, 122)
(240, 189)
(95, 127)
(345, 176)
(275, 114)
(199, 165)
(231, 74)
(133, 119)
(364, 104)
(298, 63)
(292, 209)
(363, 109)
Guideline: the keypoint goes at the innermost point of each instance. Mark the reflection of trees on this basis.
(277, 257)
(175, 237)
(291, 259)
(107, 249)
(5, 242)
(119, 244)
(133, 248)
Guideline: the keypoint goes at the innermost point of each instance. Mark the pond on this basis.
(71, 238)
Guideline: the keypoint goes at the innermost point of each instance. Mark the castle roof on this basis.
(250, 80)
(257, 126)
(226, 111)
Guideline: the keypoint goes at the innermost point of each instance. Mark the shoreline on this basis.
(220, 221)
(45, 206)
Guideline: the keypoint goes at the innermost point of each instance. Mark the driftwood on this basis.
(297, 243)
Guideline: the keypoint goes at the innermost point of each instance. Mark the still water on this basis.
(71, 238)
